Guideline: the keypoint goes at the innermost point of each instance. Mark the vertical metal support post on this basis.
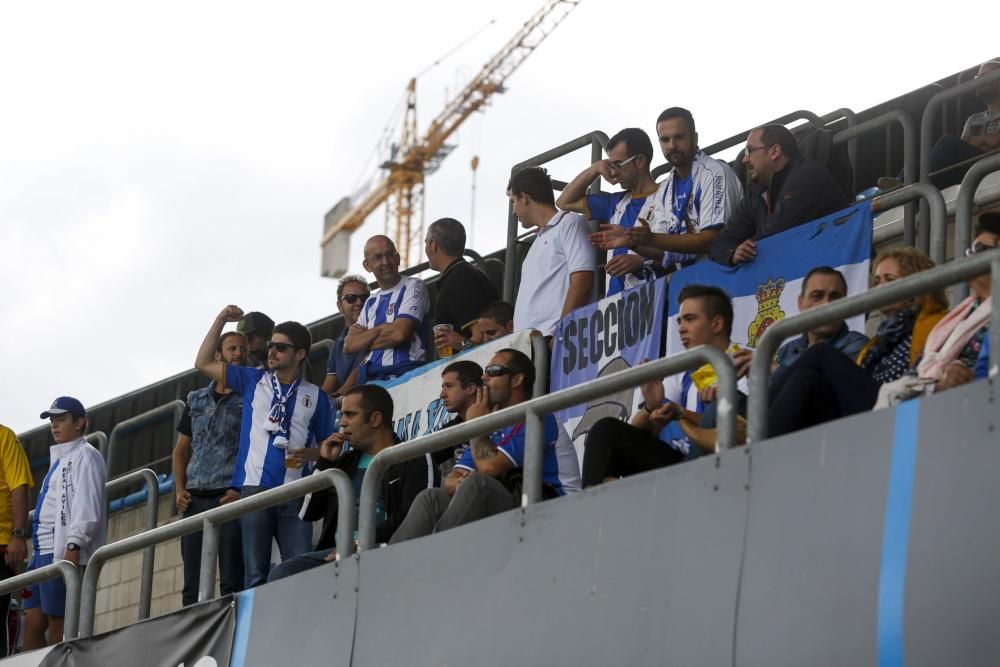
(149, 553)
(994, 334)
(71, 577)
(938, 212)
(345, 515)
(540, 356)
(209, 559)
(965, 205)
(510, 257)
(600, 256)
(534, 443)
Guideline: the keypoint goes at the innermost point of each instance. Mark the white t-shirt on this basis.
(560, 249)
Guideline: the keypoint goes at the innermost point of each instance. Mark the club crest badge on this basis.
(768, 309)
(306, 401)
(389, 310)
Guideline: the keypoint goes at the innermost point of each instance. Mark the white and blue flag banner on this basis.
(617, 332)
(416, 404)
(767, 289)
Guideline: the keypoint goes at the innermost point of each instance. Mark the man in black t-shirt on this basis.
(463, 290)
(207, 443)
(460, 381)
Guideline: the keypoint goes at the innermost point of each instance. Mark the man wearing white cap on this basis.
(71, 518)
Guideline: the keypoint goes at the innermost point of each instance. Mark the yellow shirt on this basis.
(14, 471)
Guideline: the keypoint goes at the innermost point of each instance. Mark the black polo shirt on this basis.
(463, 292)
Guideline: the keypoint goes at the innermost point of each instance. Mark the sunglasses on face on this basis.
(280, 347)
(496, 370)
(354, 298)
(978, 248)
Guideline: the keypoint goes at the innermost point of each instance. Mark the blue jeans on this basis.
(281, 523)
(230, 550)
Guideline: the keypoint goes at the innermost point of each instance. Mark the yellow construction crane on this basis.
(416, 157)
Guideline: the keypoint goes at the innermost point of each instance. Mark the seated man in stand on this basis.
(496, 320)
(486, 481)
(788, 190)
(657, 436)
(460, 385)
(366, 423)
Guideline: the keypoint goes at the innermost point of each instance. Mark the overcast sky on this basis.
(161, 160)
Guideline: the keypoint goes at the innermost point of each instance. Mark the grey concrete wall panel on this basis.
(813, 552)
(952, 599)
(307, 619)
(640, 572)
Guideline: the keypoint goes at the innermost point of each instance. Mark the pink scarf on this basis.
(950, 336)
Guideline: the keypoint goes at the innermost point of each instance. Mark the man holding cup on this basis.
(284, 416)
(463, 290)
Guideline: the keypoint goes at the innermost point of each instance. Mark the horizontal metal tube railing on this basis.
(933, 243)
(532, 411)
(58, 568)
(884, 295)
(314, 482)
(966, 203)
(597, 140)
(740, 137)
(172, 409)
(909, 128)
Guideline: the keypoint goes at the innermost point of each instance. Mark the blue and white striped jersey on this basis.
(407, 299)
(259, 462)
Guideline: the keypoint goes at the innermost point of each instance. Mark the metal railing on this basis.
(909, 128)
(930, 113)
(152, 516)
(209, 521)
(597, 140)
(965, 205)
(531, 413)
(740, 137)
(884, 295)
(934, 242)
(58, 568)
(172, 409)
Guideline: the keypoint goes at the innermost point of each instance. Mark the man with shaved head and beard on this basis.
(387, 332)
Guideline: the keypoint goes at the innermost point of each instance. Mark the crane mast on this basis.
(416, 157)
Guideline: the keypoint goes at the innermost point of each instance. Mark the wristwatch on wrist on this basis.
(72, 546)
(19, 533)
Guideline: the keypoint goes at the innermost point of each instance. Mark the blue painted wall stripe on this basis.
(896, 535)
(244, 613)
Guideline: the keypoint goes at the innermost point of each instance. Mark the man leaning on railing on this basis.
(487, 480)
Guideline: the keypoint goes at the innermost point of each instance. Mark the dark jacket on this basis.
(801, 192)
(400, 485)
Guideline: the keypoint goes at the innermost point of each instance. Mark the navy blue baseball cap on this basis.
(62, 405)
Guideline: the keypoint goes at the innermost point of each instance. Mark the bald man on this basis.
(388, 330)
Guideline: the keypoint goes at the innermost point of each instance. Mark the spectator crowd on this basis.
(260, 423)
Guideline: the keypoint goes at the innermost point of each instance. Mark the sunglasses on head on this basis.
(280, 347)
(354, 298)
(496, 370)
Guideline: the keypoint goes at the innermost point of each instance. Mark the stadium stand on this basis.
(828, 528)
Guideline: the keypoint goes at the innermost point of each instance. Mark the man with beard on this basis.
(257, 327)
(283, 417)
(630, 153)
(689, 207)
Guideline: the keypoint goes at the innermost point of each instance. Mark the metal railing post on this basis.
(966, 204)
(173, 409)
(930, 112)
(534, 454)
(58, 568)
(218, 515)
(540, 357)
(209, 556)
(99, 439)
(740, 137)
(536, 408)
(909, 128)
(510, 272)
(884, 295)
(994, 334)
(852, 143)
(938, 218)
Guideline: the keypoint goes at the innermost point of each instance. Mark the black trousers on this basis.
(616, 449)
(823, 384)
(230, 551)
